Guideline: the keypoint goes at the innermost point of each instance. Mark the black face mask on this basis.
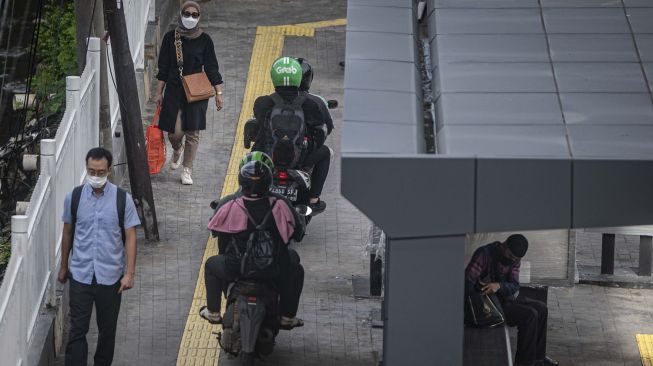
(506, 261)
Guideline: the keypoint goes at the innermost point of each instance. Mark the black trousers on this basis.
(319, 160)
(220, 270)
(107, 307)
(530, 316)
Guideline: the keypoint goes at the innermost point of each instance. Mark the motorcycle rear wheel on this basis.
(247, 359)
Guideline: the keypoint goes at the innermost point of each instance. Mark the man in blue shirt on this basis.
(101, 266)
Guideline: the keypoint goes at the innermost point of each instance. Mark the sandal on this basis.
(209, 316)
(290, 323)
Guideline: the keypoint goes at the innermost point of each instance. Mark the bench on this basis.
(491, 346)
(608, 247)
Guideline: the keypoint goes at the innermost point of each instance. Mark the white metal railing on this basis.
(35, 237)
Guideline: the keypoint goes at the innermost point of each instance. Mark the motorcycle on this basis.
(251, 319)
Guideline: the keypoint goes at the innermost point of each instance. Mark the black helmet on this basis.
(307, 75)
(255, 179)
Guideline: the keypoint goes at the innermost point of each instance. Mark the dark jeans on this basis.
(530, 316)
(107, 307)
(320, 159)
(220, 270)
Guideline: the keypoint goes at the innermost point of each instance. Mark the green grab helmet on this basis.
(286, 71)
(257, 156)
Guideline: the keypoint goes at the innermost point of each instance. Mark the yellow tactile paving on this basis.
(645, 343)
(199, 345)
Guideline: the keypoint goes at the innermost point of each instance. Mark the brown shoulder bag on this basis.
(196, 86)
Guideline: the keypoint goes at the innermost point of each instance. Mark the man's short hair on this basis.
(99, 153)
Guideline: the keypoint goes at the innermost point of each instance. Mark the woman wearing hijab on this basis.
(178, 117)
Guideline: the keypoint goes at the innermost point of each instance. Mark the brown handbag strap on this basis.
(180, 55)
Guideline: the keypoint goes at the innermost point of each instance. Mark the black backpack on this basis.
(258, 257)
(286, 131)
(121, 201)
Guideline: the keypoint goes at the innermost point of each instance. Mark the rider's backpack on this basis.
(258, 257)
(286, 131)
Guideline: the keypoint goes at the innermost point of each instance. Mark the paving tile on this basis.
(592, 20)
(592, 47)
(380, 46)
(581, 4)
(379, 19)
(648, 69)
(443, 4)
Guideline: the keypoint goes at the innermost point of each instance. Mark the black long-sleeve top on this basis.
(199, 54)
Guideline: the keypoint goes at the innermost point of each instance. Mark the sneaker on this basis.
(211, 317)
(174, 164)
(546, 361)
(317, 207)
(186, 176)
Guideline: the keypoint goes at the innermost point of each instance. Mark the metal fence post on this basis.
(73, 99)
(48, 168)
(93, 60)
(19, 226)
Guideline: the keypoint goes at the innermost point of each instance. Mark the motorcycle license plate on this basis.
(289, 192)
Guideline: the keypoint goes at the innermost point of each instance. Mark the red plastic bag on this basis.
(155, 145)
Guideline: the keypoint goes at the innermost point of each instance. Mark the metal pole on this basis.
(607, 254)
(132, 124)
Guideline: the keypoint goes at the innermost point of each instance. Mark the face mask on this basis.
(190, 22)
(506, 261)
(96, 182)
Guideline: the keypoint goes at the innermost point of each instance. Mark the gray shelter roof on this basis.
(544, 115)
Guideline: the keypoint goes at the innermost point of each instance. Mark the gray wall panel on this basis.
(612, 193)
(600, 77)
(485, 4)
(488, 21)
(500, 108)
(370, 137)
(381, 106)
(379, 19)
(496, 77)
(645, 46)
(641, 19)
(592, 47)
(581, 3)
(441, 201)
(585, 21)
(416, 312)
(380, 46)
(381, 75)
(392, 3)
(492, 48)
(504, 140)
(523, 194)
(638, 3)
(607, 108)
(616, 141)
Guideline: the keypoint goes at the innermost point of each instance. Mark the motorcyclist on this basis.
(230, 223)
(286, 81)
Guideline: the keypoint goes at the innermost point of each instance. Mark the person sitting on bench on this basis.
(494, 268)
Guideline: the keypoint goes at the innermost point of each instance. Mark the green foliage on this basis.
(56, 53)
(5, 253)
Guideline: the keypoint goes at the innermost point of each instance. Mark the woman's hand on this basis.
(158, 98)
(219, 101)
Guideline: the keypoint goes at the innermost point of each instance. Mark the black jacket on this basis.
(313, 115)
(198, 55)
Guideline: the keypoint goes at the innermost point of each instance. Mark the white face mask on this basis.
(96, 182)
(190, 22)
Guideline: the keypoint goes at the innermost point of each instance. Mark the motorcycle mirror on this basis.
(214, 204)
(303, 210)
(332, 103)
